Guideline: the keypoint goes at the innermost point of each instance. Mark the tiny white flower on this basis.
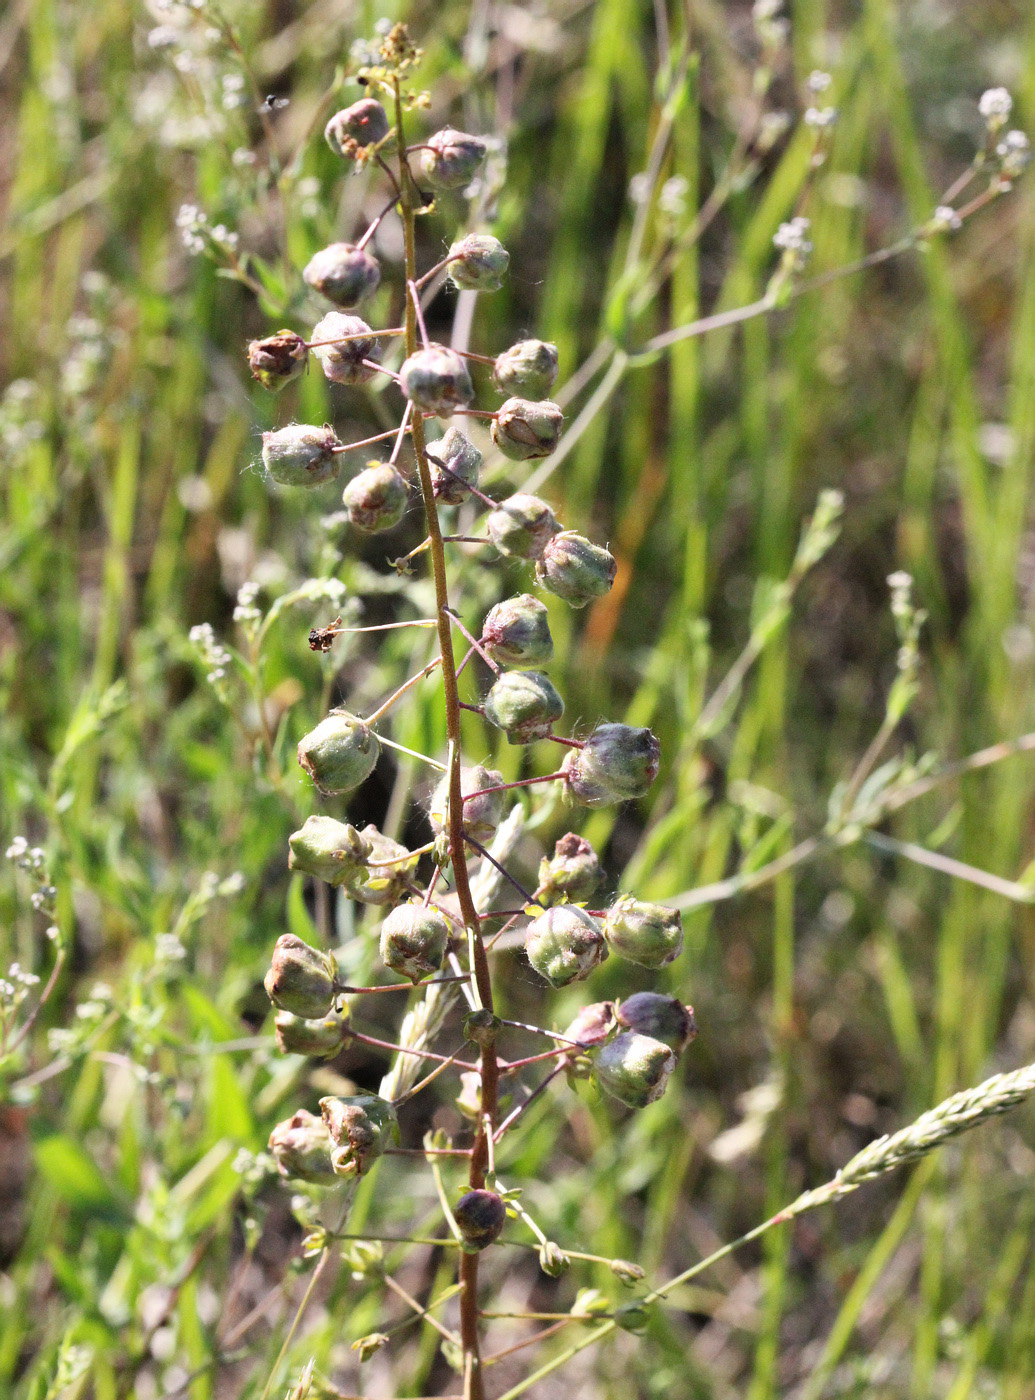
(995, 105)
(818, 81)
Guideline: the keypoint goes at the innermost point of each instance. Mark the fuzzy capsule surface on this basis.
(343, 363)
(452, 158)
(521, 526)
(617, 762)
(343, 274)
(385, 875)
(414, 940)
(573, 873)
(593, 1024)
(527, 370)
(278, 359)
(634, 1068)
(478, 263)
(301, 454)
(525, 705)
(436, 380)
(340, 753)
(301, 1148)
(318, 1038)
(663, 1017)
(361, 1126)
(525, 429)
(301, 979)
(644, 933)
(376, 498)
(481, 1216)
(460, 464)
(576, 569)
(516, 633)
(327, 849)
(564, 944)
(482, 814)
(365, 123)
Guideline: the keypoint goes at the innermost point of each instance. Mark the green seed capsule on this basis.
(527, 370)
(376, 498)
(340, 753)
(480, 1216)
(616, 763)
(360, 1128)
(301, 979)
(301, 1148)
(644, 933)
(414, 940)
(634, 1068)
(327, 849)
(451, 159)
(342, 363)
(572, 874)
(575, 569)
(278, 359)
(660, 1016)
(301, 455)
(478, 263)
(343, 274)
(524, 429)
(521, 526)
(386, 874)
(564, 944)
(525, 705)
(517, 633)
(318, 1039)
(482, 1028)
(363, 124)
(460, 463)
(436, 380)
(482, 814)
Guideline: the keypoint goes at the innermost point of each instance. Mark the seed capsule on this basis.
(564, 944)
(523, 429)
(478, 263)
(437, 381)
(364, 124)
(527, 370)
(576, 569)
(298, 1036)
(593, 1024)
(481, 814)
(376, 498)
(525, 705)
(327, 849)
(521, 526)
(616, 764)
(660, 1016)
(481, 1216)
(301, 455)
(278, 359)
(301, 979)
(340, 753)
(573, 873)
(301, 1148)
(462, 461)
(343, 363)
(517, 632)
(644, 933)
(414, 940)
(343, 274)
(482, 1028)
(634, 1068)
(360, 1128)
(451, 159)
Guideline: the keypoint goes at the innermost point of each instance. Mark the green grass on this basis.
(861, 986)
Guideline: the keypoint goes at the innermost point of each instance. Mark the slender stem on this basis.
(411, 288)
(477, 645)
(398, 694)
(377, 222)
(364, 442)
(359, 335)
(516, 1113)
(486, 855)
(521, 782)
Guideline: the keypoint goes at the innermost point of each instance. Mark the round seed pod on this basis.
(524, 429)
(462, 462)
(660, 1016)
(363, 124)
(437, 381)
(572, 874)
(376, 498)
(481, 814)
(301, 1148)
(644, 933)
(327, 849)
(480, 1216)
(527, 370)
(634, 1068)
(478, 263)
(525, 705)
(617, 763)
(593, 1024)
(340, 753)
(301, 979)
(575, 569)
(361, 1126)
(343, 274)
(521, 526)
(301, 455)
(277, 359)
(384, 878)
(482, 1028)
(564, 944)
(343, 363)
(451, 159)
(318, 1039)
(414, 940)
(516, 633)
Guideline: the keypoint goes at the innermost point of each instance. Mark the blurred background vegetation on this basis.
(140, 1255)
